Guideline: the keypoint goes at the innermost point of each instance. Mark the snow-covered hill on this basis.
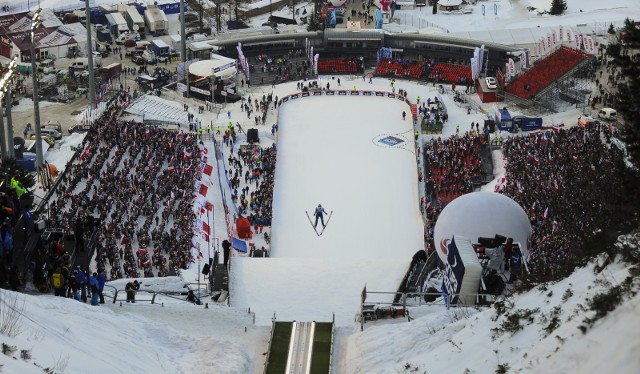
(540, 331)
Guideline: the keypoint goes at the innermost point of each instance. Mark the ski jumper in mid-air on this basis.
(319, 213)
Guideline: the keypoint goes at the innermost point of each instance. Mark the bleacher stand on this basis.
(448, 73)
(545, 72)
(337, 67)
(394, 68)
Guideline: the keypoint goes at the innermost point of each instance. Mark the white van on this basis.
(82, 63)
(608, 114)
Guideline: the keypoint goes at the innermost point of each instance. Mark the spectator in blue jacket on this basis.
(82, 280)
(102, 278)
(7, 241)
(95, 292)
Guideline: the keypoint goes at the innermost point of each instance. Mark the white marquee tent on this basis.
(482, 214)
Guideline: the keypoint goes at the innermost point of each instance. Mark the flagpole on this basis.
(210, 236)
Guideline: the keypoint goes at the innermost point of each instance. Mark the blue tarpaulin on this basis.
(239, 245)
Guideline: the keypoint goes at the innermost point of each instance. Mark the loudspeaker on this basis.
(486, 242)
(499, 240)
(205, 269)
(252, 136)
(39, 225)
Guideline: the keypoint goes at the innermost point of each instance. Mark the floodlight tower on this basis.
(35, 23)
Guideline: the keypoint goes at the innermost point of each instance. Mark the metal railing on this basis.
(388, 308)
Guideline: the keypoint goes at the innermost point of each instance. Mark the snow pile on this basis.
(71, 337)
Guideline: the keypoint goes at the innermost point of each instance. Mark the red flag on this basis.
(186, 154)
(122, 239)
(205, 227)
(208, 169)
(209, 206)
(203, 189)
(85, 151)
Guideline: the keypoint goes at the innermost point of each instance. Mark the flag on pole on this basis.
(203, 189)
(85, 151)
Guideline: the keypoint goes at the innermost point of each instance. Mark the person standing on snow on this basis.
(319, 213)
(404, 115)
(93, 286)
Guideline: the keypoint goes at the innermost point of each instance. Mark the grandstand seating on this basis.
(337, 66)
(393, 68)
(451, 73)
(545, 71)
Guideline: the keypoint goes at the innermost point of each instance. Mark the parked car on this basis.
(138, 60)
(608, 114)
(52, 125)
(51, 133)
(79, 129)
(133, 52)
(492, 83)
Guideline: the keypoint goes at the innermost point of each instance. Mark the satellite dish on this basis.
(136, 27)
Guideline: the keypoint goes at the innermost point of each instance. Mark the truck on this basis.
(111, 70)
(104, 36)
(505, 122)
(117, 24)
(97, 16)
(527, 123)
(134, 20)
(156, 20)
(160, 49)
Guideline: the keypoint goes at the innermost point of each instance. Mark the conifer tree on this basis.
(558, 7)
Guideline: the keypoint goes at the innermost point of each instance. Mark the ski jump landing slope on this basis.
(355, 156)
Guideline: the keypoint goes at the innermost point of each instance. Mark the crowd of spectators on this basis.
(284, 67)
(135, 183)
(255, 167)
(568, 182)
(451, 167)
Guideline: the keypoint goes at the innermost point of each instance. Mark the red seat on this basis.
(545, 72)
(337, 66)
(450, 73)
(398, 69)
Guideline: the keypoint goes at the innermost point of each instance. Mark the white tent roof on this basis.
(482, 214)
(209, 68)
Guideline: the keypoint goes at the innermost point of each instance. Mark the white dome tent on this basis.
(482, 214)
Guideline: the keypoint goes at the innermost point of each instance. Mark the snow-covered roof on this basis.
(208, 68)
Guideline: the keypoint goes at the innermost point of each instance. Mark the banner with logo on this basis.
(453, 272)
(554, 38)
(315, 63)
(569, 38)
(560, 34)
